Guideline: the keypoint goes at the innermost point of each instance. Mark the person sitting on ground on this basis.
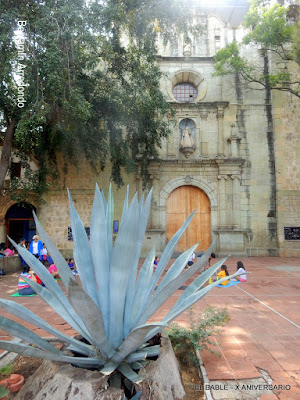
(23, 288)
(36, 246)
(240, 269)
(8, 252)
(222, 274)
(53, 271)
(191, 260)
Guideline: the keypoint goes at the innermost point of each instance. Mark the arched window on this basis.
(185, 92)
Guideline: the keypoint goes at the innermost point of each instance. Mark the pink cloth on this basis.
(52, 268)
(8, 252)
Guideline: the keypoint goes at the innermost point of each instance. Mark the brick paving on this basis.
(257, 338)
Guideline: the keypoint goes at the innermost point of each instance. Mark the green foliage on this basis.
(198, 335)
(93, 85)
(6, 370)
(269, 27)
(111, 307)
(272, 30)
(3, 392)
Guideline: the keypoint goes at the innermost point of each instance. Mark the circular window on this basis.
(185, 92)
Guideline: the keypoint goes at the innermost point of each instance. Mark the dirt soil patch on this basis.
(25, 366)
(191, 380)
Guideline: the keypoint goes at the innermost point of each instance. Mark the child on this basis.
(190, 261)
(71, 264)
(44, 252)
(8, 252)
(222, 274)
(240, 268)
(53, 271)
(155, 262)
(23, 288)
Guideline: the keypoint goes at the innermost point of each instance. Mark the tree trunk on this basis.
(6, 151)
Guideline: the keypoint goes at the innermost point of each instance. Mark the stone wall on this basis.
(287, 146)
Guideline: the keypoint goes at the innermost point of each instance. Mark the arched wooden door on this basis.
(180, 204)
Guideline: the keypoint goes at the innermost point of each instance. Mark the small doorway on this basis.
(180, 204)
(19, 222)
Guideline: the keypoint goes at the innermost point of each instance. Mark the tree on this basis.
(271, 33)
(90, 85)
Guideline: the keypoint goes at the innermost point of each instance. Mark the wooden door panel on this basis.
(180, 204)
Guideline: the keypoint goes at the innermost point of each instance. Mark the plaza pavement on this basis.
(262, 337)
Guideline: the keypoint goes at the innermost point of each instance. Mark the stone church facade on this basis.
(233, 156)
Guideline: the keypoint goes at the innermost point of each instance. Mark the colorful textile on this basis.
(22, 284)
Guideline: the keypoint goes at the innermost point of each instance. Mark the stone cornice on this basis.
(185, 59)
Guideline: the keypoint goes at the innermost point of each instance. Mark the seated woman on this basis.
(222, 274)
(23, 288)
(53, 271)
(240, 269)
(8, 252)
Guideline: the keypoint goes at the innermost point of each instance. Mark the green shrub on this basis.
(6, 370)
(197, 337)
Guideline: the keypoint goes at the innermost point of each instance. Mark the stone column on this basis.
(171, 143)
(155, 211)
(220, 117)
(203, 146)
(222, 200)
(2, 230)
(236, 213)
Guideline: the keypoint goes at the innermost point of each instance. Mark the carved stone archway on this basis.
(191, 180)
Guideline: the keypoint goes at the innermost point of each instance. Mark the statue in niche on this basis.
(187, 145)
(186, 138)
(187, 49)
(234, 130)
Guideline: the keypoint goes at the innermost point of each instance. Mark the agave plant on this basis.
(111, 307)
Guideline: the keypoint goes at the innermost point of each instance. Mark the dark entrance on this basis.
(19, 222)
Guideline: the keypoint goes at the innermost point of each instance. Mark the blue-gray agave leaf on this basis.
(30, 351)
(128, 372)
(171, 287)
(123, 255)
(13, 328)
(51, 284)
(59, 261)
(92, 317)
(142, 284)
(142, 224)
(200, 281)
(109, 219)
(101, 255)
(59, 308)
(165, 258)
(125, 206)
(176, 268)
(82, 254)
(22, 312)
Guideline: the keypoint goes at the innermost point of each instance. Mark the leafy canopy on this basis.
(272, 30)
(92, 84)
